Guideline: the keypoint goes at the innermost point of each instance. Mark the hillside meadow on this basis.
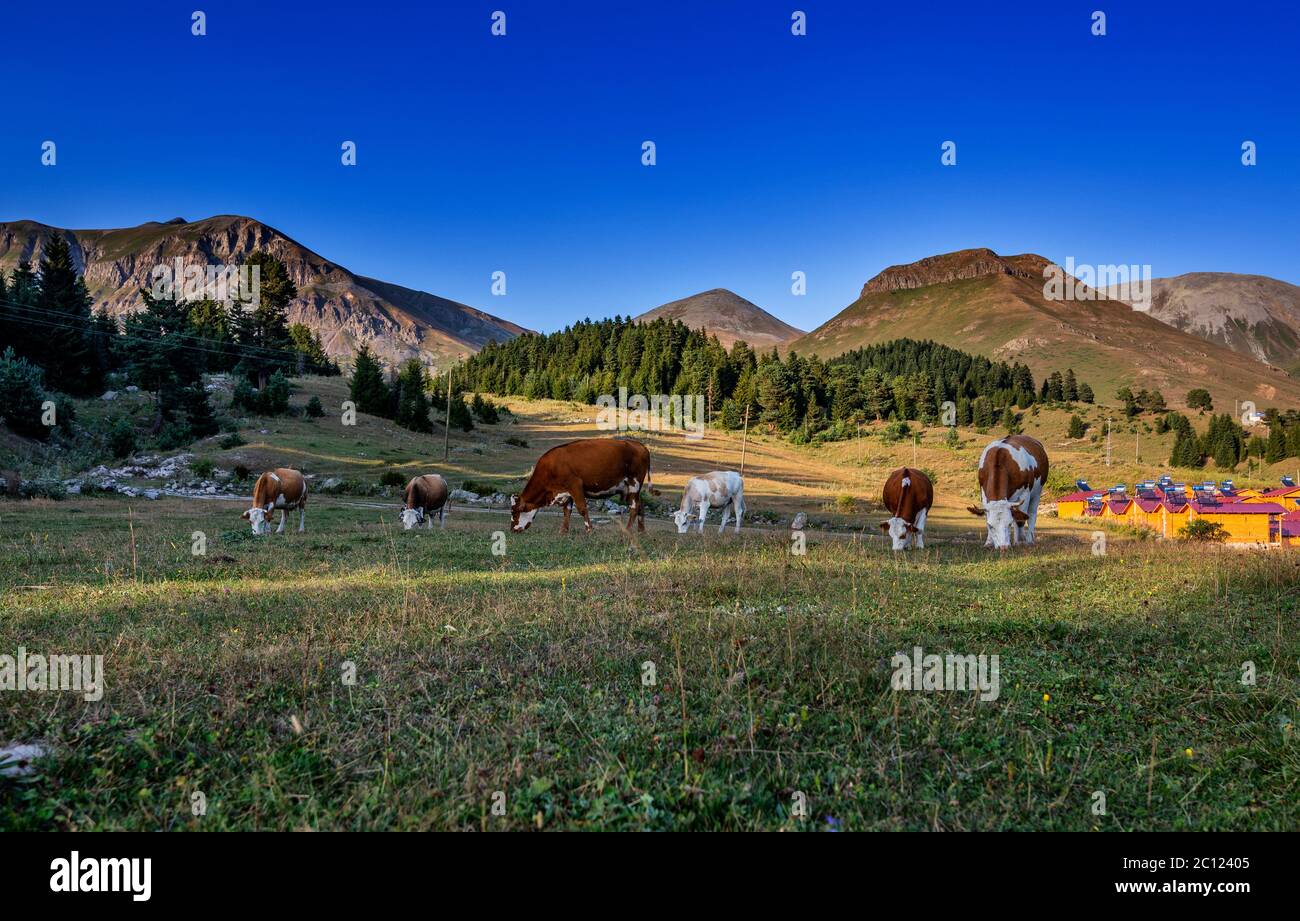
(359, 676)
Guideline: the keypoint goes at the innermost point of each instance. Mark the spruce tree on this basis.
(367, 387)
(66, 347)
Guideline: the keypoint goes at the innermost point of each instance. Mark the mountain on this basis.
(728, 316)
(1251, 314)
(992, 305)
(344, 308)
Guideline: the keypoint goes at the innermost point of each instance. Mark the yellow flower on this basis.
(1046, 698)
(1187, 752)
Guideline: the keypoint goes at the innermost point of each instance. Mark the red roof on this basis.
(1291, 524)
(1148, 503)
(1080, 496)
(1119, 506)
(1237, 508)
(1280, 492)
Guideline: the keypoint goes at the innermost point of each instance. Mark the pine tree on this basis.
(412, 401)
(367, 388)
(67, 351)
(1275, 448)
(1085, 394)
(1071, 386)
(1077, 428)
(264, 329)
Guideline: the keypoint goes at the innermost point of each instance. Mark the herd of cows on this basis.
(1012, 474)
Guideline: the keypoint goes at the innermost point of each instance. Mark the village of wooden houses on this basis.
(1250, 517)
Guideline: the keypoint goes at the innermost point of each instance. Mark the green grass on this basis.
(523, 674)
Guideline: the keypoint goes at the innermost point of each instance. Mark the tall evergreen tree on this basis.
(367, 387)
(66, 349)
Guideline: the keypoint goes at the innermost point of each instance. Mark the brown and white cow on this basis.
(592, 468)
(425, 495)
(908, 497)
(1013, 471)
(722, 489)
(280, 488)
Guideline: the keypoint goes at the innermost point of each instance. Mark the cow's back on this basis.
(599, 463)
(906, 500)
(428, 491)
(1011, 463)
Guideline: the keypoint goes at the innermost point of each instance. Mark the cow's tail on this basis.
(907, 478)
(649, 481)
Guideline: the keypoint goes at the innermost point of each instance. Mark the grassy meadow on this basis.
(520, 680)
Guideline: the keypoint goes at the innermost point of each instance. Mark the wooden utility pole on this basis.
(1108, 441)
(446, 435)
(744, 440)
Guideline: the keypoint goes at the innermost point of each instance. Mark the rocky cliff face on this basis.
(963, 264)
(1252, 314)
(346, 310)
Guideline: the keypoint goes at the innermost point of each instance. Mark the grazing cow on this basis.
(591, 468)
(1013, 471)
(722, 489)
(908, 497)
(424, 496)
(280, 488)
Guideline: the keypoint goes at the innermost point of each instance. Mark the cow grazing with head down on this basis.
(908, 497)
(722, 489)
(1013, 471)
(280, 488)
(591, 468)
(425, 495)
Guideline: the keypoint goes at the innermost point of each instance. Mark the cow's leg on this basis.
(302, 518)
(640, 512)
(918, 536)
(283, 514)
(1032, 524)
(579, 500)
(568, 510)
(726, 513)
(704, 513)
(738, 505)
(428, 520)
(442, 516)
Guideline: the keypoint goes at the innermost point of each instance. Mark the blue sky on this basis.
(776, 153)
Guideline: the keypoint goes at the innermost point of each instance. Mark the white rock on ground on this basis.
(16, 760)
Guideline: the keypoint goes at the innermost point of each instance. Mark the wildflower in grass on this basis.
(1047, 698)
(832, 823)
(1187, 752)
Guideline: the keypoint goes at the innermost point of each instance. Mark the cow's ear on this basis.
(245, 515)
(1019, 515)
(975, 511)
(884, 527)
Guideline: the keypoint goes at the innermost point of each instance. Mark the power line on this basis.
(222, 348)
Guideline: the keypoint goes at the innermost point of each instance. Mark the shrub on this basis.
(241, 472)
(202, 468)
(42, 489)
(274, 400)
(121, 439)
(1198, 529)
(174, 435)
(846, 504)
(392, 478)
(21, 395)
(314, 408)
(516, 441)
(233, 440)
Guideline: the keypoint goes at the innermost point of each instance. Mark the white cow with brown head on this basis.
(1013, 471)
(281, 488)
